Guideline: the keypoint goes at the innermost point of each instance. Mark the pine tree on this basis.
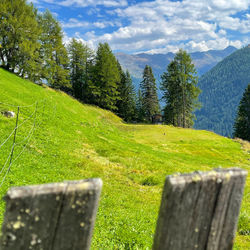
(149, 94)
(53, 52)
(19, 32)
(242, 121)
(171, 90)
(120, 86)
(140, 112)
(105, 76)
(80, 59)
(179, 85)
(126, 105)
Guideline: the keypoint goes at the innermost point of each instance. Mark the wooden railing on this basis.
(198, 211)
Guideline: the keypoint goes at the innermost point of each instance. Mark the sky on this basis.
(159, 26)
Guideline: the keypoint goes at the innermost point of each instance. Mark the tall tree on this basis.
(80, 62)
(126, 104)
(149, 94)
(242, 121)
(105, 76)
(179, 85)
(171, 90)
(140, 112)
(53, 52)
(19, 32)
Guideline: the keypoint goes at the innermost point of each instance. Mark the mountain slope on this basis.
(222, 88)
(76, 141)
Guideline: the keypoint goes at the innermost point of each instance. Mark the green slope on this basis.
(222, 88)
(75, 141)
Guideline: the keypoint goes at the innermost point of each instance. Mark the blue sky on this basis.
(158, 26)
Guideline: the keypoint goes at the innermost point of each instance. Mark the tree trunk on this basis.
(183, 109)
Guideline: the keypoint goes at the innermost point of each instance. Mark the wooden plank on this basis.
(57, 216)
(200, 210)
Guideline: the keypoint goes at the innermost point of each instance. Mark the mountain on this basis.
(222, 88)
(203, 61)
(59, 138)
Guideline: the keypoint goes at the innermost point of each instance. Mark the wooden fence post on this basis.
(57, 216)
(200, 210)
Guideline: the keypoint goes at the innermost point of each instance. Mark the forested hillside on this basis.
(222, 88)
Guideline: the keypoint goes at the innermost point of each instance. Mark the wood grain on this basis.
(57, 216)
(200, 210)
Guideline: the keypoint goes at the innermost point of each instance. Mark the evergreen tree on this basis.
(105, 76)
(242, 121)
(120, 86)
(126, 104)
(149, 94)
(140, 112)
(171, 89)
(179, 85)
(19, 32)
(80, 59)
(53, 52)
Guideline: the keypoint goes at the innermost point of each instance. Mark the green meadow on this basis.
(61, 139)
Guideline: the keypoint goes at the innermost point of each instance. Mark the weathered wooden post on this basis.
(56, 216)
(200, 210)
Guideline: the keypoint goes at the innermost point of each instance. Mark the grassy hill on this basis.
(76, 141)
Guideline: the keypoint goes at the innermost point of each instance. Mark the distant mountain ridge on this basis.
(222, 88)
(203, 61)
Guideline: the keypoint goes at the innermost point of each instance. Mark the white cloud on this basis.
(93, 11)
(229, 4)
(218, 44)
(86, 3)
(48, 1)
(100, 25)
(90, 35)
(230, 23)
(164, 25)
(105, 24)
(77, 36)
(192, 46)
(75, 23)
(195, 25)
(222, 32)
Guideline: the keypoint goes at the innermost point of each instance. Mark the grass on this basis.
(76, 141)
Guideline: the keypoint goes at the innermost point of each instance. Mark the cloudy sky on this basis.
(154, 26)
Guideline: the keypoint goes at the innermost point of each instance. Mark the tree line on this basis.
(31, 46)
